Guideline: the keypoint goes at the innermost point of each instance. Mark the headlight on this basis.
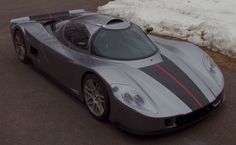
(134, 98)
(213, 69)
(209, 64)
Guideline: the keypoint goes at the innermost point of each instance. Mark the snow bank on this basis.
(210, 23)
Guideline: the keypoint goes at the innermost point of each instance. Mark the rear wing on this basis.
(56, 15)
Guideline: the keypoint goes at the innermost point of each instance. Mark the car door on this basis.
(71, 46)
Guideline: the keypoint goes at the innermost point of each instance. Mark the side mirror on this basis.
(149, 29)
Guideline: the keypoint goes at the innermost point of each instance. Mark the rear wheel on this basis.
(96, 97)
(20, 46)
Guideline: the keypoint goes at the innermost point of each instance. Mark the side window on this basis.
(77, 34)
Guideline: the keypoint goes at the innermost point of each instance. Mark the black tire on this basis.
(20, 46)
(106, 104)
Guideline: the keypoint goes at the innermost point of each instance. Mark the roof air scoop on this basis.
(114, 21)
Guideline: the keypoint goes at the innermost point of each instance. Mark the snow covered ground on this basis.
(210, 23)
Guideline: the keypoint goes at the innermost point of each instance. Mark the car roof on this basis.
(96, 18)
(96, 21)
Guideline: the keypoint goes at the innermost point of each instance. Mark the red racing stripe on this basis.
(180, 84)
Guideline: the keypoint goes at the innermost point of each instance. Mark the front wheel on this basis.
(96, 97)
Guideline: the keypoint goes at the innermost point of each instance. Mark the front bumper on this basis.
(130, 121)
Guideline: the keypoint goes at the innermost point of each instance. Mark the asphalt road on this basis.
(35, 111)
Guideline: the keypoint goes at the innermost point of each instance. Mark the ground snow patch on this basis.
(210, 23)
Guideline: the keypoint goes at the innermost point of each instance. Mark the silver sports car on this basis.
(141, 83)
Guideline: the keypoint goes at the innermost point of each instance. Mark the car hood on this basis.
(172, 85)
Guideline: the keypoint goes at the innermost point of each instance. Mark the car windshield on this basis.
(126, 44)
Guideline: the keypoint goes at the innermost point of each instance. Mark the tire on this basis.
(20, 46)
(96, 97)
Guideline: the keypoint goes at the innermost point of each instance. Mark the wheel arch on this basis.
(96, 74)
(21, 30)
(17, 28)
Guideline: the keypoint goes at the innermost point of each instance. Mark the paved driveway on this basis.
(34, 111)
